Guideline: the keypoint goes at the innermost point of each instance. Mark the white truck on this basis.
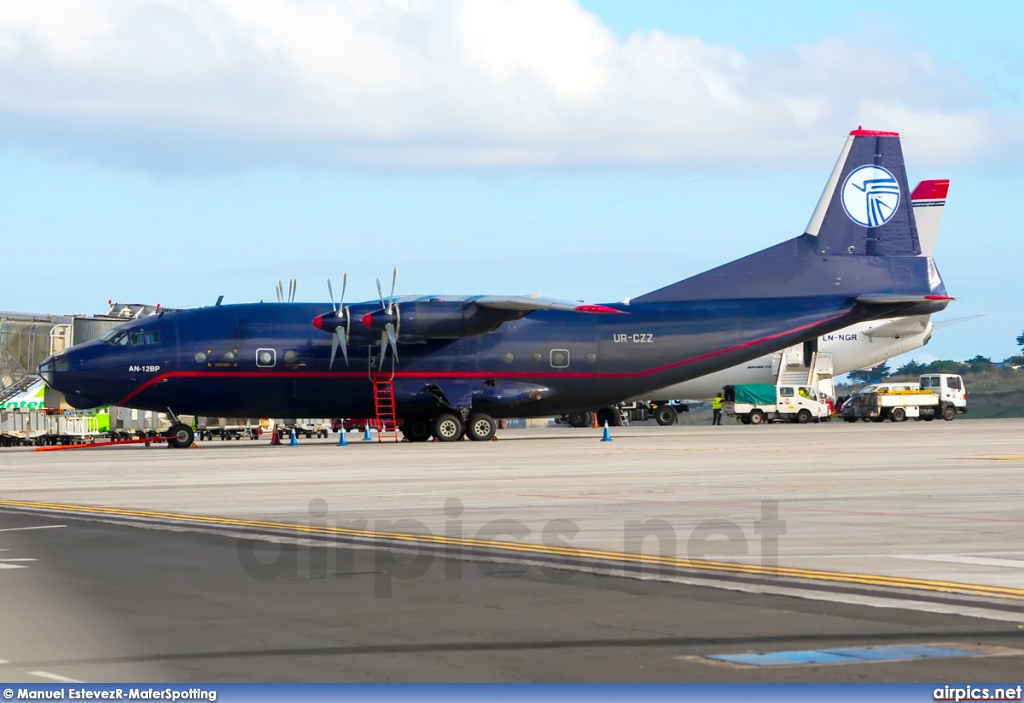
(757, 403)
(936, 395)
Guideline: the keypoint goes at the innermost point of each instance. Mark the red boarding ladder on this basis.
(384, 402)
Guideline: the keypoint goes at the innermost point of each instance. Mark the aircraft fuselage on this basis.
(268, 360)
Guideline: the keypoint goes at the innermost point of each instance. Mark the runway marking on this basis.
(956, 559)
(868, 513)
(523, 548)
(53, 677)
(38, 527)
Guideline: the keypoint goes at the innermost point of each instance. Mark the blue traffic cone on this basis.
(342, 442)
(295, 441)
(366, 434)
(607, 435)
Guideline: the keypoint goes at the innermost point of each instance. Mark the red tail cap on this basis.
(931, 190)
(861, 132)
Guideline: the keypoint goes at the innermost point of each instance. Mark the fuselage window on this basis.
(559, 358)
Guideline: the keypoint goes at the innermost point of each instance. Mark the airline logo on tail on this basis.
(871, 196)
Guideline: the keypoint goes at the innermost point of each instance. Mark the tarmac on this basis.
(918, 505)
(547, 554)
(96, 602)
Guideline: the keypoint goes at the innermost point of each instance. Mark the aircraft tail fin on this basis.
(865, 207)
(929, 201)
(861, 242)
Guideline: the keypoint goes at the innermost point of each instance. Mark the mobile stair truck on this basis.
(757, 403)
(939, 395)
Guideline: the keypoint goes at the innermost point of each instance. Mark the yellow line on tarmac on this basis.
(520, 548)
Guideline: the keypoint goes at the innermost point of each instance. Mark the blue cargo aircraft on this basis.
(457, 363)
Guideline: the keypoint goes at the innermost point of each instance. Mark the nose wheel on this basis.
(180, 436)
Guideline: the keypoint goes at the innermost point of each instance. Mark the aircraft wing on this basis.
(517, 303)
(531, 304)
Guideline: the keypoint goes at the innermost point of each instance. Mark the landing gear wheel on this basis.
(447, 428)
(417, 429)
(609, 415)
(180, 436)
(898, 415)
(665, 415)
(756, 417)
(481, 428)
(581, 419)
(949, 413)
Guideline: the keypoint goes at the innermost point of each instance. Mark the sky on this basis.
(174, 151)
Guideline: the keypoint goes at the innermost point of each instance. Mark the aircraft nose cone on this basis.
(57, 372)
(54, 369)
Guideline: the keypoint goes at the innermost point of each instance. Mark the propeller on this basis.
(340, 337)
(292, 286)
(388, 336)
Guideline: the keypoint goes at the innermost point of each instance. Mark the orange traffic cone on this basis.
(275, 438)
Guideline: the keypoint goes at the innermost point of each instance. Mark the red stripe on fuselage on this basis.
(468, 374)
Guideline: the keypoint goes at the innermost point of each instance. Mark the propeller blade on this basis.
(383, 348)
(380, 294)
(391, 299)
(338, 339)
(280, 292)
(292, 285)
(344, 285)
(389, 330)
(330, 291)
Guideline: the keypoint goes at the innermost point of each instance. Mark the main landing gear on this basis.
(450, 427)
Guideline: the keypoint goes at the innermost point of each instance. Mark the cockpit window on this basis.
(134, 338)
(115, 336)
(143, 338)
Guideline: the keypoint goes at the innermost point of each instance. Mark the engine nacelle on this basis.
(427, 320)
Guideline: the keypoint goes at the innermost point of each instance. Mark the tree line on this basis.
(915, 368)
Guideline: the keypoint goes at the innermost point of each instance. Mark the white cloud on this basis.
(417, 83)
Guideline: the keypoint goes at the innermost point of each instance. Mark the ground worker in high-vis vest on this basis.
(716, 410)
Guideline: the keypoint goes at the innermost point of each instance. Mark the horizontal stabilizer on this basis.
(900, 327)
(954, 321)
(886, 299)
